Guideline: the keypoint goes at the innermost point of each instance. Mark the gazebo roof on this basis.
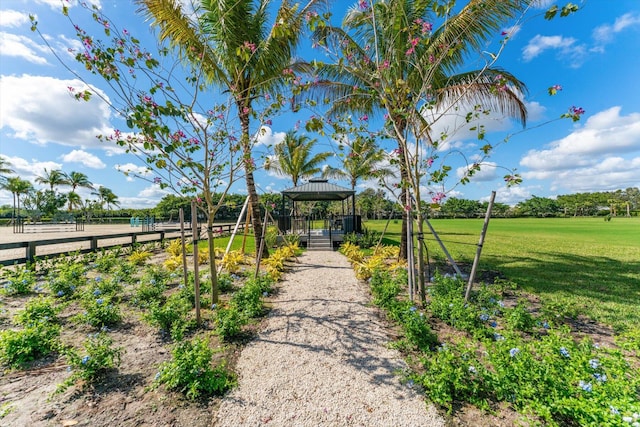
(317, 189)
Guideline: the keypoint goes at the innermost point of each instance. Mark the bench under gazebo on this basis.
(319, 233)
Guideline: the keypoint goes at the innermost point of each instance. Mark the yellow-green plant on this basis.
(174, 248)
(173, 263)
(139, 257)
(387, 251)
(352, 252)
(364, 269)
(232, 260)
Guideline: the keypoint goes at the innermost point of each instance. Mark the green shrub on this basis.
(28, 344)
(68, 278)
(454, 373)
(37, 311)
(518, 318)
(172, 316)
(99, 357)
(100, 310)
(190, 371)
(18, 281)
(228, 322)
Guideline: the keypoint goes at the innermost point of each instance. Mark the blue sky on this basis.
(593, 55)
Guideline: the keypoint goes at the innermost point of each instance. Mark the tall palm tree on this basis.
(364, 161)
(5, 169)
(294, 158)
(242, 51)
(17, 186)
(52, 178)
(75, 180)
(393, 61)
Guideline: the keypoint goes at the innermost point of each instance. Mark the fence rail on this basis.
(120, 239)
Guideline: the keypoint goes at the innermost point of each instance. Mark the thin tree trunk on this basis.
(254, 205)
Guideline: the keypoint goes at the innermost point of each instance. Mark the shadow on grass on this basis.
(601, 283)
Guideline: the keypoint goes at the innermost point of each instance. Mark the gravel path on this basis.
(322, 359)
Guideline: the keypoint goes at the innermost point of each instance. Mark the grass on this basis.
(580, 265)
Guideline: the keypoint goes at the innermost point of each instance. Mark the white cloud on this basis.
(266, 136)
(13, 18)
(40, 110)
(21, 47)
(30, 169)
(56, 4)
(539, 44)
(512, 195)
(487, 172)
(603, 133)
(153, 192)
(597, 156)
(604, 33)
(87, 159)
(131, 171)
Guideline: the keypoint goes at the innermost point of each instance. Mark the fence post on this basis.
(31, 251)
(94, 243)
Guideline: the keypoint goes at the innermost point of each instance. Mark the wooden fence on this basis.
(70, 245)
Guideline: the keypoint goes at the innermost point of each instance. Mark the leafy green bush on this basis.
(37, 311)
(18, 281)
(366, 239)
(99, 358)
(100, 310)
(67, 279)
(228, 322)
(28, 344)
(171, 316)
(518, 318)
(447, 304)
(453, 373)
(190, 371)
(106, 261)
(248, 299)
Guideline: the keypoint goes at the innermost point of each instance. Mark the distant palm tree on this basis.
(74, 199)
(5, 168)
(364, 161)
(16, 186)
(53, 178)
(106, 197)
(75, 180)
(294, 159)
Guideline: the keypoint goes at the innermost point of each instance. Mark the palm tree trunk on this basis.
(254, 205)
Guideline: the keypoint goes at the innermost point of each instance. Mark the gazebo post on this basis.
(282, 215)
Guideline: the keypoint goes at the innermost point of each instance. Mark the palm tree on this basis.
(5, 169)
(75, 180)
(106, 197)
(399, 66)
(74, 199)
(363, 162)
(16, 186)
(294, 158)
(241, 51)
(53, 178)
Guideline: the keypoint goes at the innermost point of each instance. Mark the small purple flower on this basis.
(484, 317)
(60, 293)
(413, 309)
(473, 370)
(514, 351)
(99, 301)
(97, 292)
(498, 337)
(594, 363)
(601, 378)
(564, 352)
(85, 359)
(493, 324)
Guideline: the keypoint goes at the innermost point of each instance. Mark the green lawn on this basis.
(585, 265)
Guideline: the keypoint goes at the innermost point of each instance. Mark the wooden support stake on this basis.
(487, 217)
(196, 269)
(261, 247)
(185, 272)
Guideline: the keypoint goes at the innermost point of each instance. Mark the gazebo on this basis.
(319, 233)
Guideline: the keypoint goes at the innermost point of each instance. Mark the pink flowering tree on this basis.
(169, 120)
(407, 62)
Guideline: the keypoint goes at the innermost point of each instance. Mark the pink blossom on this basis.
(410, 51)
(438, 197)
(364, 118)
(157, 180)
(429, 162)
(362, 4)
(246, 110)
(268, 122)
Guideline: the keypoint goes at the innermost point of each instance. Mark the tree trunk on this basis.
(254, 205)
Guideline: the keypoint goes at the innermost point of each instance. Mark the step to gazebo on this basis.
(319, 243)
